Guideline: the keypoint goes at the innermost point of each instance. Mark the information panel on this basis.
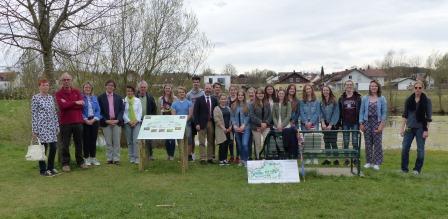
(272, 171)
(163, 127)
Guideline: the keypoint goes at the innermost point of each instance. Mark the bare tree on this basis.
(229, 69)
(440, 75)
(39, 24)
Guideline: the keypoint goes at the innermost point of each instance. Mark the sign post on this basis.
(162, 127)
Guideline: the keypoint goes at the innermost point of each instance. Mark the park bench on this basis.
(313, 146)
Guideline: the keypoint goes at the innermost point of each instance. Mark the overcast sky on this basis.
(286, 35)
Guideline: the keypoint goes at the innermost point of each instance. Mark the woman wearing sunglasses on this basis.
(416, 118)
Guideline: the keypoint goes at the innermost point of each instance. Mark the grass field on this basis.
(207, 191)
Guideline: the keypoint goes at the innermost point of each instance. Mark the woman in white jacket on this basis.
(132, 121)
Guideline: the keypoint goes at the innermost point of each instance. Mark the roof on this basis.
(398, 80)
(374, 72)
(283, 77)
(7, 76)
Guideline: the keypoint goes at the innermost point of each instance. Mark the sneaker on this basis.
(47, 174)
(326, 162)
(83, 166)
(347, 162)
(54, 172)
(226, 162)
(237, 160)
(415, 172)
(307, 161)
(66, 168)
(94, 161)
(244, 163)
(367, 165)
(193, 157)
(315, 161)
(376, 167)
(231, 160)
(336, 162)
(222, 163)
(110, 162)
(88, 161)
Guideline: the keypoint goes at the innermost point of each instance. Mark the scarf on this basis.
(131, 112)
(420, 110)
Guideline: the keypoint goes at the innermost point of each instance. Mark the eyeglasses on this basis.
(418, 88)
(66, 79)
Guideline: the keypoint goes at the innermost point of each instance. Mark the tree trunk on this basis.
(49, 65)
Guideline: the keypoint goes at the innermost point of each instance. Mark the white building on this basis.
(222, 79)
(403, 83)
(361, 77)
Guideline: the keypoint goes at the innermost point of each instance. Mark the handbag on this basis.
(36, 152)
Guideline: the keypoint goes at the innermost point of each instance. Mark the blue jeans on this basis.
(346, 135)
(408, 137)
(242, 140)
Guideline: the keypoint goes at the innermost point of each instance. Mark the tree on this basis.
(40, 24)
(440, 75)
(229, 69)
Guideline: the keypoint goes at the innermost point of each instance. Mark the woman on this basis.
(291, 92)
(45, 125)
(182, 106)
(270, 96)
(416, 118)
(281, 112)
(165, 102)
(251, 99)
(309, 113)
(91, 116)
(372, 118)
(250, 95)
(223, 128)
(260, 117)
(232, 98)
(240, 122)
(132, 120)
(329, 118)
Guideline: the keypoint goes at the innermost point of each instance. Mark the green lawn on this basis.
(206, 191)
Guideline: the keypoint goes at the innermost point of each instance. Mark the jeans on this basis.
(408, 137)
(51, 148)
(66, 133)
(170, 147)
(346, 135)
(242, 141)
(131, 134)
(251, 142)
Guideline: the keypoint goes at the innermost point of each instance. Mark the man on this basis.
(416, 118)
(349, 106)
(192, 95)
(70, 104)
(149, 108)
(203, 120)
(217, 90)
(112, 109)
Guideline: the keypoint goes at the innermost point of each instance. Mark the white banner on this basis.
(163, 127)
(272, 171)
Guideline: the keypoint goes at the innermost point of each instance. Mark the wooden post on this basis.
(183, 149)
(143, 156)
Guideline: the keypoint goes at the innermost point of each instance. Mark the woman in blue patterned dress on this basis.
(45, 126)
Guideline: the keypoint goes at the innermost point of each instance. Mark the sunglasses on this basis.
(418, 88)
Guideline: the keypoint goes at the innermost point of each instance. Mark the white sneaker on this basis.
(193, 157)
(367, 165)
(415, 172)
(87, 161)
(307, 161)
(315, 161)
(94, 161)
(376, 167)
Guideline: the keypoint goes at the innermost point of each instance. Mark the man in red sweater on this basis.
(70, 104)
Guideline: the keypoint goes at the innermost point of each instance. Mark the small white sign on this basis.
(163, 127)
(272, 171)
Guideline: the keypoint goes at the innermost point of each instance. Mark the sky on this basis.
(303, 35)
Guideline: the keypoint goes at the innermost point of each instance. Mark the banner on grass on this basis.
(272, 171)
(163, 127)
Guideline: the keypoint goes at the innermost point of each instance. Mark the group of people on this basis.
(235, 121)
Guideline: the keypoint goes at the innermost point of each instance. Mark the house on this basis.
(7, 79)
(224, 80)
(240, 81)
(361, 77)
(287, 78)
(402, 83)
